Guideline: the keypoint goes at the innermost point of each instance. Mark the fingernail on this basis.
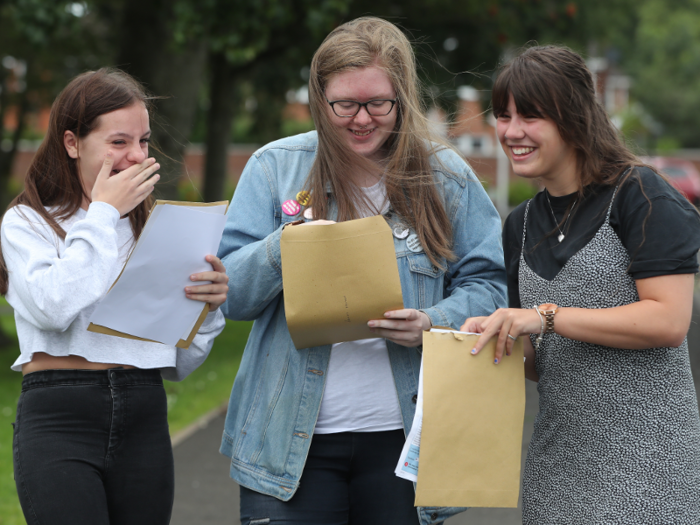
(371, 324)
(495, 361)
(473, 350)
(193, 277)
(188, 290)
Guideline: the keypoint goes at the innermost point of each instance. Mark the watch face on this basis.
(548, 308)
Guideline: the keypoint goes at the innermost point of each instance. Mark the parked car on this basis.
(682, 174)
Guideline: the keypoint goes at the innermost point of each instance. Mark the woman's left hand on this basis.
(213, 293)
(503, 323)
(403, 327)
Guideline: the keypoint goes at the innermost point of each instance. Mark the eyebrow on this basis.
(342, 99)
(126, 135)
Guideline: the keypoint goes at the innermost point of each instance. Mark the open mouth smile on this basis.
(362, 132)
(521, 150)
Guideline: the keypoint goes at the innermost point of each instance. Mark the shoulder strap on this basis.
(607, 217)
(527, 208)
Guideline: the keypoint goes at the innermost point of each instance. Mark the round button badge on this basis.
(304, 198)
(413, 243)
(291, 207)
(400, 231)
(308, 214)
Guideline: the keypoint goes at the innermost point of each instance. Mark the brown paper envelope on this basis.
(473, 414)
(182, 343)
(337, 277)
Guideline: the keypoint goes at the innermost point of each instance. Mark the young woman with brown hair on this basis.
(314, 434)
(91, 440)
(600, 276)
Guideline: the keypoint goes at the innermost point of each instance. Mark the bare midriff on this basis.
(42, 361)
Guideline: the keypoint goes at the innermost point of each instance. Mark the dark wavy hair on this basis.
(553, 82)
(53, 179)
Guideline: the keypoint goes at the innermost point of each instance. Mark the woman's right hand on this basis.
(126, 189)
(506, 324)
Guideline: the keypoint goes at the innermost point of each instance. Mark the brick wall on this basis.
(485, 167)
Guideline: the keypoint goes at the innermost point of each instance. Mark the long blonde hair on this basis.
(408, 175)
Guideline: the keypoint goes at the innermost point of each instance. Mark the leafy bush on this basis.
(520, 190)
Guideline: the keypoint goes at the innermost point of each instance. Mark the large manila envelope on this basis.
(216, 207)
(336, 277)
(473, 414)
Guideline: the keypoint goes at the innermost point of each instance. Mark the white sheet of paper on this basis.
(407, 467)
(149, 298)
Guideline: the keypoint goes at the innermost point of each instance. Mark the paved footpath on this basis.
(205, 495)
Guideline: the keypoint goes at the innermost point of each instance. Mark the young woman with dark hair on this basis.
(91, 440)
(600, 276)
(314, 434)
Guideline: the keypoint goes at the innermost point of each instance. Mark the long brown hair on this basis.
(53, 179)
(553, 82)
(408, 174)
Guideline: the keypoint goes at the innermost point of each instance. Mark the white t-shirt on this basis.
(360, 395)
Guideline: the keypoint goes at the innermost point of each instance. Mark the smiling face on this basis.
(125, 132)
(363, 133)
(536, 150)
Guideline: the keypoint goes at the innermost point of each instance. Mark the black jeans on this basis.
(348, 479)
(93, 447)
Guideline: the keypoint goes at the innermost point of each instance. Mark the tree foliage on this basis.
(233, 58)
(666, 66)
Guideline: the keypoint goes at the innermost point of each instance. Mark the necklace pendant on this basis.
(560, 237)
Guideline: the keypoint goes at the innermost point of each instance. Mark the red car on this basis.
(681, 173)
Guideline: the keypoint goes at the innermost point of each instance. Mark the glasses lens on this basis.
(379, 108)
(345, 108)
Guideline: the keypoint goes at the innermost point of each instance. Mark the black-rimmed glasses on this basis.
(350, 108)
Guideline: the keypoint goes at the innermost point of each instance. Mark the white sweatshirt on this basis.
(55, 285)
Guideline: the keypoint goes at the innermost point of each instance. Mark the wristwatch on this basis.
(548, 310)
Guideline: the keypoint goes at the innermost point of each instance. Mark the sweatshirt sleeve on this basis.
(49, 287)
(188, 360)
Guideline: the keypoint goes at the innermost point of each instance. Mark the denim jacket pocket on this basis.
(419, 263)
(427, 279)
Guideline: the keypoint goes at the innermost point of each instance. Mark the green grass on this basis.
(10, 383)
(210, 385)
(206, 388)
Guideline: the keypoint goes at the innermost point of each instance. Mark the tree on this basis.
(463, 42)
(666, 67)
(143, 33)
(37, 39)
(246, 42)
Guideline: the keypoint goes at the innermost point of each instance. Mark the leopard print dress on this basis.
(617, 436)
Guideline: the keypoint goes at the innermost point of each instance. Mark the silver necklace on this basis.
(561, 235)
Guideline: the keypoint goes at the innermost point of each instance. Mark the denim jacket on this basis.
(277, 393)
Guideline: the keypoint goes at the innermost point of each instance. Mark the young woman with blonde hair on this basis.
(600, 277)
(314, 434)
(91, 440)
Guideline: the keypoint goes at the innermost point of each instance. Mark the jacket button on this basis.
(415, 398)
(434, 516)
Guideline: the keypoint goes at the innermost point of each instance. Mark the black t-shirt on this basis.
(661, 241)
